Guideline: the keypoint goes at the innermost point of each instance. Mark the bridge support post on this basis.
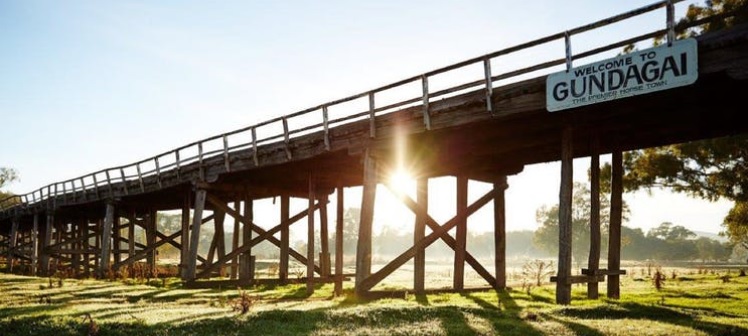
(419, 232)
(47, 241)
(499, 222)
(249, 216)
(197, 219)
(235, 241)
(283, 267)
(13, 240)
(35, 245)
(131, 241)
(184, 255)
(593, 264)
(150, 237)
(563, 283)
(461, 234)
(363, 248)
(339, 221)
(106, 238)
(77, 230)
(324, 260)
(116, 239)
(616, 213)
(310, 238)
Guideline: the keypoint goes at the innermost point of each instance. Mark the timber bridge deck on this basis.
(474, 130)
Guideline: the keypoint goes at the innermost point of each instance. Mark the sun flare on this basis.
(401, 180)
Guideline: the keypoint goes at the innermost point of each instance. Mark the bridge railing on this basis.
(103, 182)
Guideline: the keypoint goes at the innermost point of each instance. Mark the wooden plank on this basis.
(106, 238)
(200, 195)
(339, 222)
(586, 271)
(310, 237)
(594, 259)
(375, 278)
(563, 289)
(283, 267)
(368, 197)
(616, 216)
(575, 279)
(419, 232)
(499, 232)
(461, 234)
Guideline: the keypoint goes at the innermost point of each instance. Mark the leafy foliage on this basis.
(710, 169)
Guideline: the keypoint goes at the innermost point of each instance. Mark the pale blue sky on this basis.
(86, 85)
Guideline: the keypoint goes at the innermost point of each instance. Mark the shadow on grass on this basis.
(630, 310)
(577, 328)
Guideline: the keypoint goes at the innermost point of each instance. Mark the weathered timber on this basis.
(324, 260)
(284, 240)
(594, 259)
(419, 232)
(310, 237)
(574, 279)
(563, 288)
(235, 241)
(106, 238)
(446, 238)
(339, 221)
(586, 271)
(35, 245)
(461, 234)
(499, 231)
(616, 215)
(200, 195)
(363, 247)
(185, 240)
(437, 233)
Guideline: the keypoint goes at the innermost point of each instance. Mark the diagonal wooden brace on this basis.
(437, 233)
(449, 240)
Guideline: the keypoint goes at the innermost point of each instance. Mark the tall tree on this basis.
(546, 237)
(710, 169)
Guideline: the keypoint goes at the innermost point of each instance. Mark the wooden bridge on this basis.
(473, 130)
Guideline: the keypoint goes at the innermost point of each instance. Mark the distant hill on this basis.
(711, 235)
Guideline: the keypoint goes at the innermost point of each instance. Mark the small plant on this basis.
(534, 271)
(673, 275)
(299, 272)
(725, 278)
(93, 328)
(273, 269)
(243, 303)
(742, 272)
(659, 279)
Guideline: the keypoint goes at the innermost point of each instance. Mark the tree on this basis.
(546, 237)
(7, 175)
(710, 169)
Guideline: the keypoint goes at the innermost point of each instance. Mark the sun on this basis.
(401, 180)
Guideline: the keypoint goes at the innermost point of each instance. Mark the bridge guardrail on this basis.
(222, 145)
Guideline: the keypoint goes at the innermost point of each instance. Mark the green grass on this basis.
(692, 305)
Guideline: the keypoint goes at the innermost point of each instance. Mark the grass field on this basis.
(690, 304)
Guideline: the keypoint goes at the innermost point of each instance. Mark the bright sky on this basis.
(86, 85)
